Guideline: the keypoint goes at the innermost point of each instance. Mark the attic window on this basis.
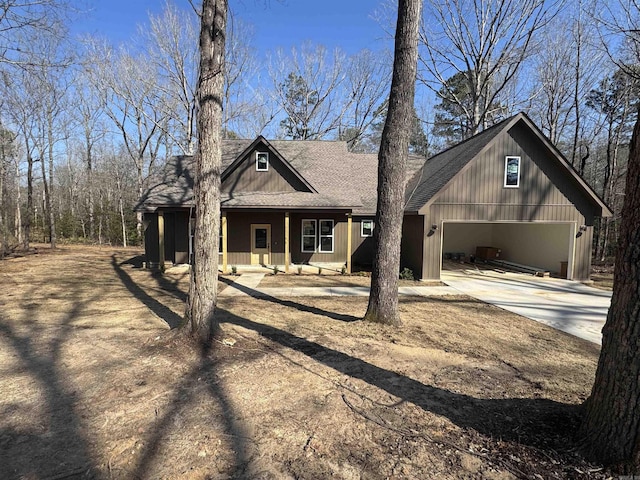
(512, 172)
(262, 161)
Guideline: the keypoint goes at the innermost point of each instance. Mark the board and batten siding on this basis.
(545, 195)
(278, 178)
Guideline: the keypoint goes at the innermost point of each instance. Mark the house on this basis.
(287, 202)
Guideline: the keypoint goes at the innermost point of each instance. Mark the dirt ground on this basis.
(95, 384)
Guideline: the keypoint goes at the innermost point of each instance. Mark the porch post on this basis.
(287, 255)
(349, 223)
(224, 241)
(161, 239)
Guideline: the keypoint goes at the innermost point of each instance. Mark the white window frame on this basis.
(362, 222)
(266, 156)
(321, 236)
(506, 164)
(302, 235)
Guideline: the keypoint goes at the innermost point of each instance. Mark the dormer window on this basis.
(512, 172)
(262, 161)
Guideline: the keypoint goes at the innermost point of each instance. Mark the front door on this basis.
(260, 244)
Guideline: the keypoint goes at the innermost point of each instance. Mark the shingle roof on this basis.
(342, 179)
(438, 170)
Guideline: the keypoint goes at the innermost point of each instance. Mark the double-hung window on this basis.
(309, 235)
(317, 236)
(326, 236)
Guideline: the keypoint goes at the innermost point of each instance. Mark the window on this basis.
(366, 228)
(326, 236)
(512, 172)
(262, 161)
(220, 239)
(308, 235)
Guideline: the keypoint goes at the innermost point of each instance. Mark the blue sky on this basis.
(348, 24)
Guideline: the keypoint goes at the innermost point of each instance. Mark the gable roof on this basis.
(252, 146)
(441, 169)
(336, 178)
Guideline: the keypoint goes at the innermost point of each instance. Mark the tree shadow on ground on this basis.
(58, 446)
(290, 303)
(182, 399)
(536, 422)
(159, 309)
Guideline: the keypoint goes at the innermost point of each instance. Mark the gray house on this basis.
(287, 202)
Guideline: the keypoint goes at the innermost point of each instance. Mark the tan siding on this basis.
(361, 247)
(245, 177)
(483, 180)
(339, 254)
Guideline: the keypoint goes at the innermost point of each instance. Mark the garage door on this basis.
(544, 245)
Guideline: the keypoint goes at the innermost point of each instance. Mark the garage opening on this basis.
(548, 246)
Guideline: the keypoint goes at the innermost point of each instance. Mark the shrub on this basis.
(275, 269)
(343, 271)
(319, 270)
(299, 269)
(234, 270)
(406, 274)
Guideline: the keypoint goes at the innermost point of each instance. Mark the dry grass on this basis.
(96, 385)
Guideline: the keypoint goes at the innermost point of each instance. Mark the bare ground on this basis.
(95, 385)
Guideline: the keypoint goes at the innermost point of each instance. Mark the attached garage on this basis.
(542, 245)
(508, 188)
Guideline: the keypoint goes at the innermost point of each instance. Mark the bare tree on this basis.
(365, 87)
(305, 88)
(24, 19)
(483, 41)
(392, 166)
(128, 93)
(201, 303)
(172, 48)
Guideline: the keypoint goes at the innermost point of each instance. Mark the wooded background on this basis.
(83, 123)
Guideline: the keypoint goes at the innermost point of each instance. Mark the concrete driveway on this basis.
(562, 304)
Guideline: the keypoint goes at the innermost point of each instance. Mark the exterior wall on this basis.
(176, 237)
(245, 177)
(413, 236)
(361, 247)
(546, 195)
(239, 236)
(339, 254)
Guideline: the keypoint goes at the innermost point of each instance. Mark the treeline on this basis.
(83, 123)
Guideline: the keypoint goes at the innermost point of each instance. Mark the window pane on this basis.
(261, 238)
(367, 228)
(326, 227)
(308, 228)
(513, 170)
(262, 161)
(308, 243)
(326, 244)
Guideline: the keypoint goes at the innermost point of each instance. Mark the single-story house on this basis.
(507, 188)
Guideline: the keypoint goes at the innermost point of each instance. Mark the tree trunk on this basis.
(201, 303)
(392, 166)
(50, 195)
(18, 218)
(29, 217)
(611, 424)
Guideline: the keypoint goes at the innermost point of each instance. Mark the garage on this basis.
(543, 245)
(508, 188)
